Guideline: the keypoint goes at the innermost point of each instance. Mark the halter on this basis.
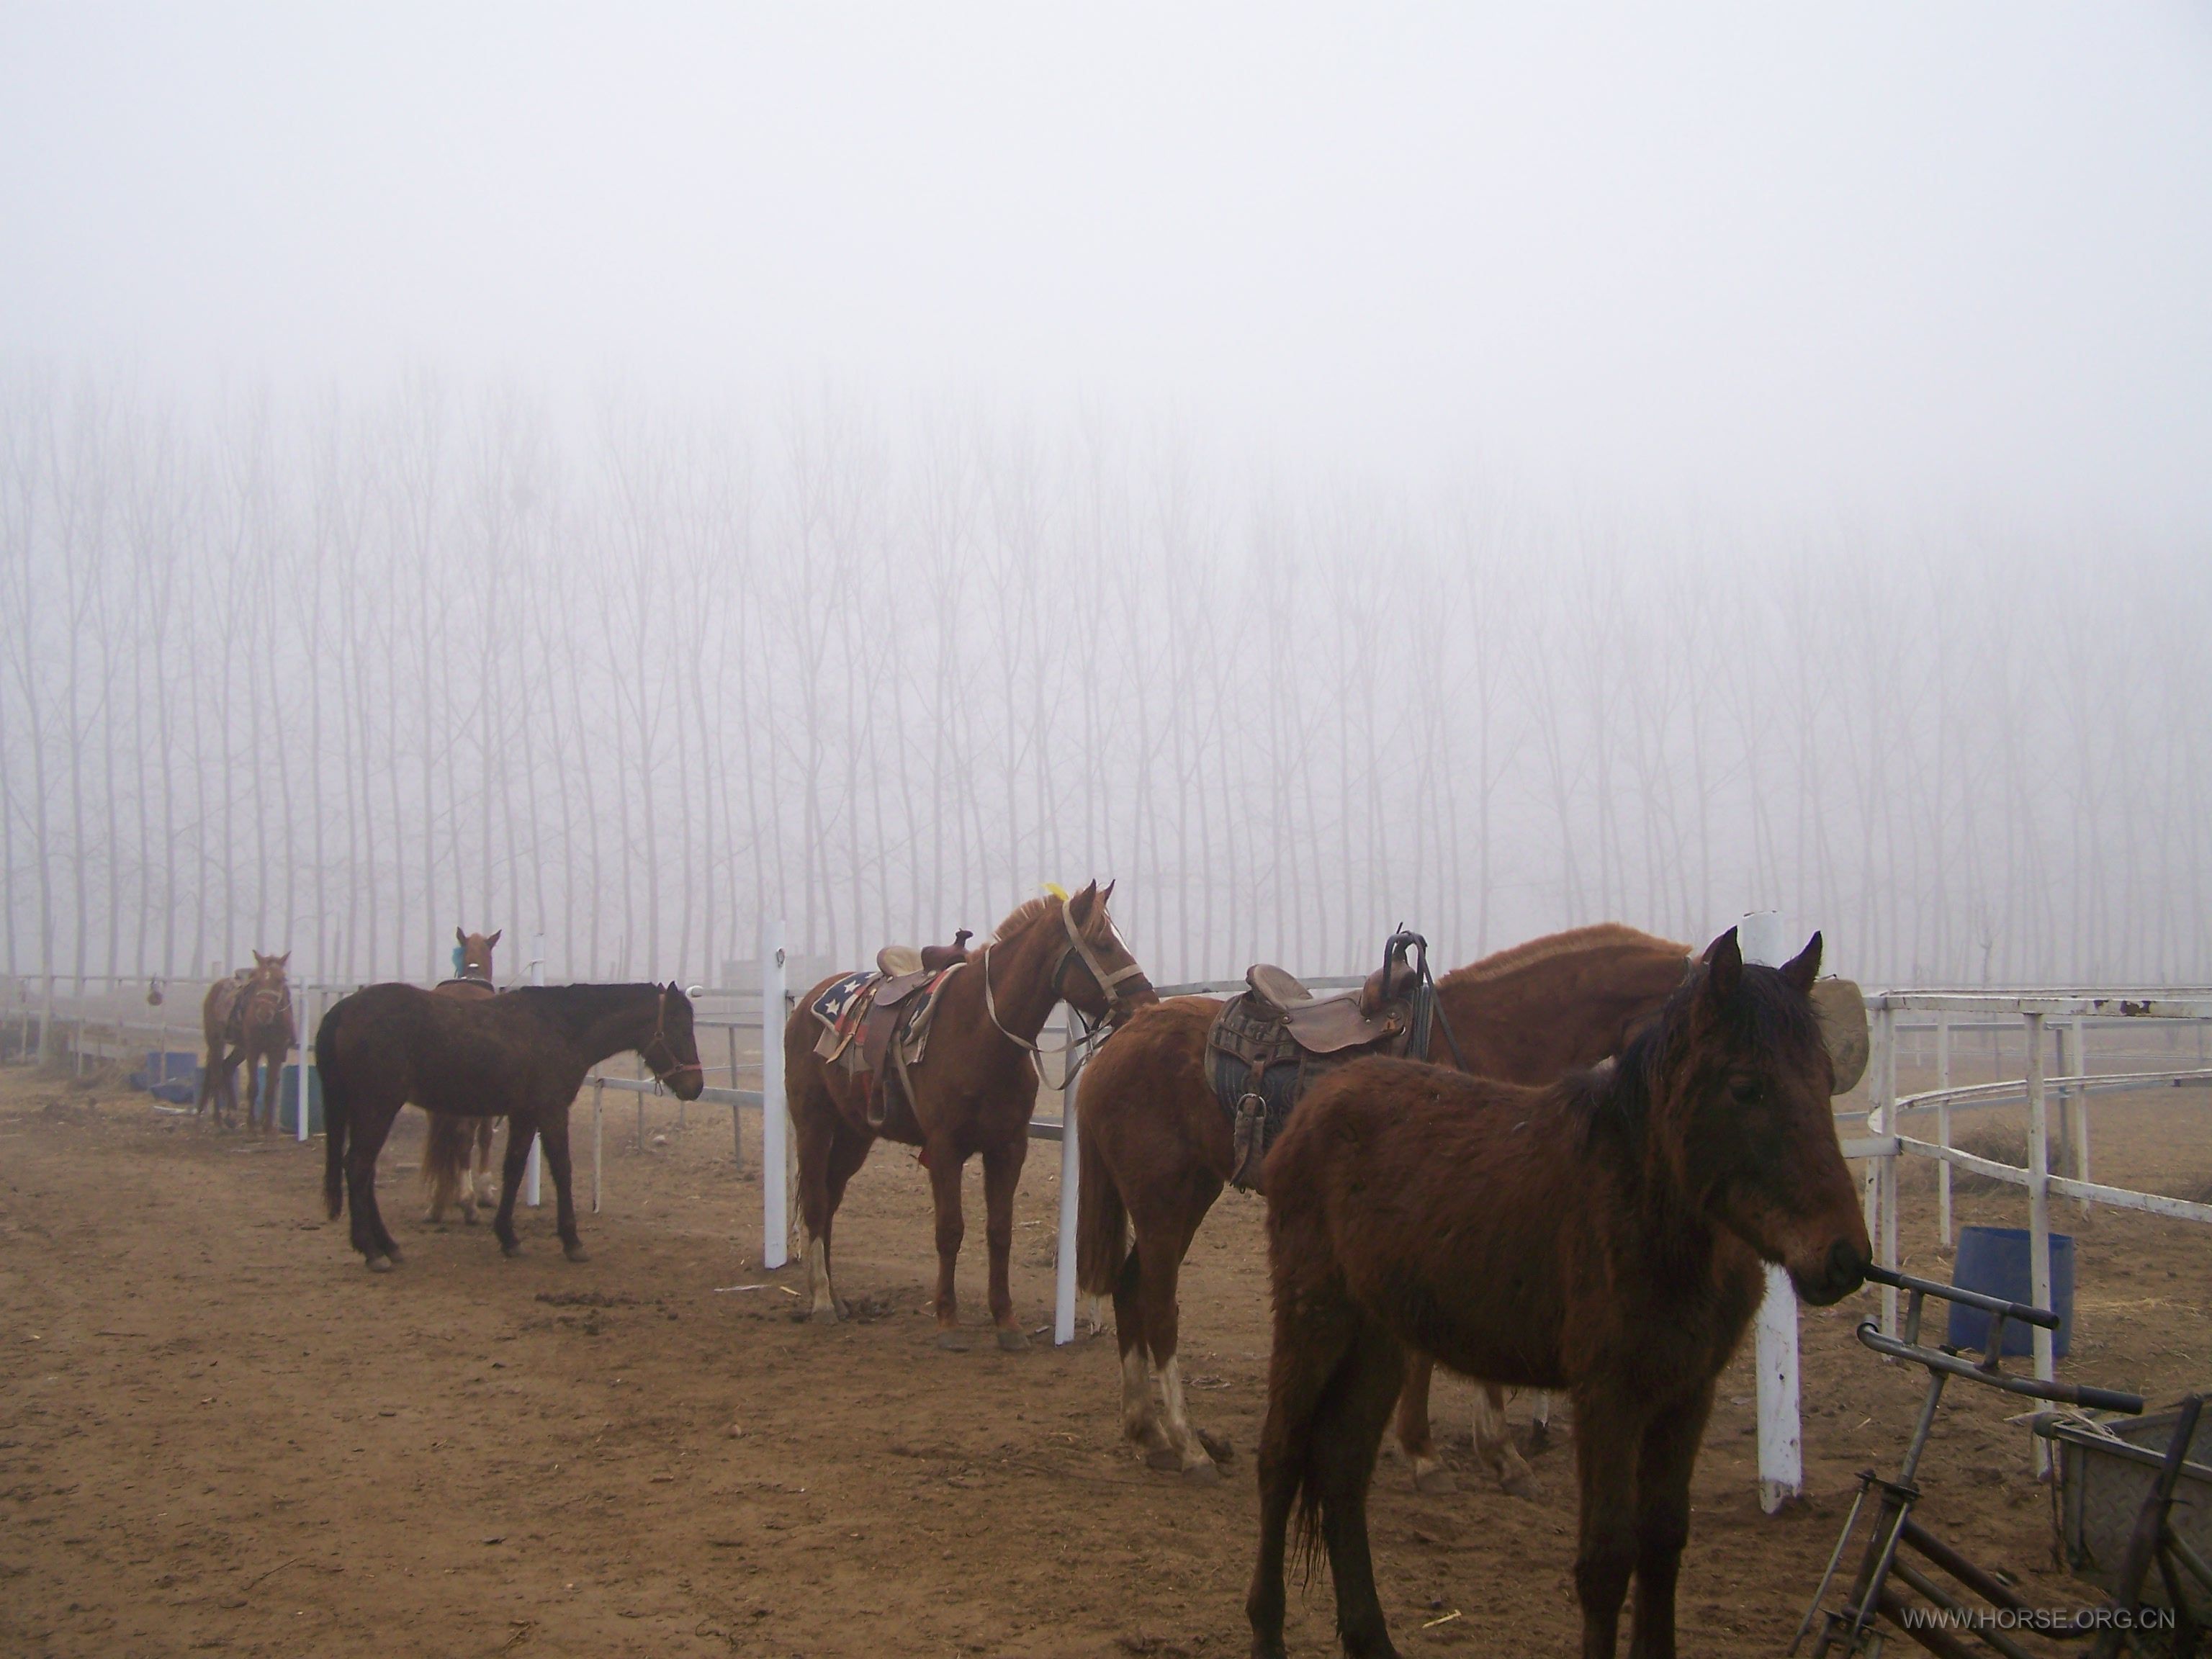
(659, 1040)
(1090, 1036)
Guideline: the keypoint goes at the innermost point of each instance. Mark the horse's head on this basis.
(672, 1050)
(1098, 975)
(476, 953)
(1752, 1134)
(265, 997)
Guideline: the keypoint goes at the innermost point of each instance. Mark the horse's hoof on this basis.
(1013, 1342)
(506, 1248)
(1216, 1448)
(823, 1316)
(1435, 1482)
(1201, 1474)
(379, 1264)
(1166, 1459)
(952, 1342)
(1522, 1486)
(1540, 1436)
(575, 1253)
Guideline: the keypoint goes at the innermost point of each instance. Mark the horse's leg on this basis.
(520, 1127)
(477, 1186)
(1663, 1520)
(1161, 1249)
(1139, 1422)
(1539, 1420)
(1608, 1439)
(1313, 1330)
(372, 1123)
(848, 1150)
(944, 1161)
(814, 1128)
(1347, 1431)
(556, 1134)
(1430, 1475)
(1002, 1173)
(1493, 1442)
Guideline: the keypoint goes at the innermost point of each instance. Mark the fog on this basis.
(628, 480)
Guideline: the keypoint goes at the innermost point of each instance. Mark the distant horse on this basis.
(1157, 1148)
(457, 1152)
(522, 1056)
(972, 1094)
(248, 1019)
(1603, 1236)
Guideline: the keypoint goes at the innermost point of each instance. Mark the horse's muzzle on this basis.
(1841, 1272)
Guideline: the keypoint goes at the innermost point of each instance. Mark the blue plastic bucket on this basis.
(1994, 1261)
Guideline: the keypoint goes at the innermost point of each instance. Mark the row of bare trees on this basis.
(339, 676)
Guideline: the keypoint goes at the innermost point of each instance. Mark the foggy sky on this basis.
(1911, 260)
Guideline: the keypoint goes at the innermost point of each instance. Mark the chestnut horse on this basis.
(1156, 1151)
(1603, 1234)
(972, 1092)
(457, 1151)
(248, 1020)
(522, 1056)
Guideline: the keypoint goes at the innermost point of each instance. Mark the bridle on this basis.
(1092, 1033)
(659, 1040)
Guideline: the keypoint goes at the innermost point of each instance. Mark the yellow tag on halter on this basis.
(1056, 890)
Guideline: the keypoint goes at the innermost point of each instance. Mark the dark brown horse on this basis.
(457, 1151)
(972, 1092)
(1157, 1148)
(1603, 1236)
(248, 1020)
(522, 1056)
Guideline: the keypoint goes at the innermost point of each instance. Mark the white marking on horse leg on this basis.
(1139, 1421)
(1180, 1435)
(1493, 1442)
(821, 1300)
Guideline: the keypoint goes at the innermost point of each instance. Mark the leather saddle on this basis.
(1268, 1045)
(895, 1027)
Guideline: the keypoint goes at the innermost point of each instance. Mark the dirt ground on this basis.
(218, 1433)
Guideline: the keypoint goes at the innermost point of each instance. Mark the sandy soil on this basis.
(218, 1433)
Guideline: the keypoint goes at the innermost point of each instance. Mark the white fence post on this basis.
(306, 1050)
(1885, 1242)
(532, 1193)
(1944, 1126)
(1063, 1296)
(1781, 1441)
(775, 1120)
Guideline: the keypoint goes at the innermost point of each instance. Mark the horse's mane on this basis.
(1598, 936)
(1618, 1092)
(1030, 912)
(585, 1001)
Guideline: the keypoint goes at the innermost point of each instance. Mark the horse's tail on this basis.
(446, 1159)
(1101, 1222)
(335, 1115)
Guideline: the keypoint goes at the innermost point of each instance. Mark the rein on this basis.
(659, 1040)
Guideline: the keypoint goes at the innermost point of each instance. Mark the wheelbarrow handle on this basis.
(2024, 1312)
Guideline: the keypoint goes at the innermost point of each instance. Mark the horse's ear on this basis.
(460, 939)
(1083, 903)
(1724, 967)
(496, 939)
(1801, 970)
(1108, 894)
(259, 958)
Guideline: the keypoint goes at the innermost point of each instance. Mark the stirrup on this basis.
(1250, 1141)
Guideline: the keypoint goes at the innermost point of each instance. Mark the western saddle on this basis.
(1268, 1044)
(895, 1024)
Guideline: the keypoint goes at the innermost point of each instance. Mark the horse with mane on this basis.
(248, 1020)
(1157, 1148)
(457, 1151)
(522, 1056)
(971, 1094)
(1604, 1235)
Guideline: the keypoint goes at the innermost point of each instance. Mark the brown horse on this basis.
(1603, 1236)
(457, 1151)
(971, 1094)
(522, 1056)
(248, 1020)
(1156, 1150)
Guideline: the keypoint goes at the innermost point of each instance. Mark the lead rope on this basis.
(991, 1007)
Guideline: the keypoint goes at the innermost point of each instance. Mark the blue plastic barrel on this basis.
(1994, 1261)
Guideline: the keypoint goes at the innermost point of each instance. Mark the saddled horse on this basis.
(1603, 1234)
(970, 1095)
(457, 1151)
(522, 1056)
(246, 1020)
(1156, 1148)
